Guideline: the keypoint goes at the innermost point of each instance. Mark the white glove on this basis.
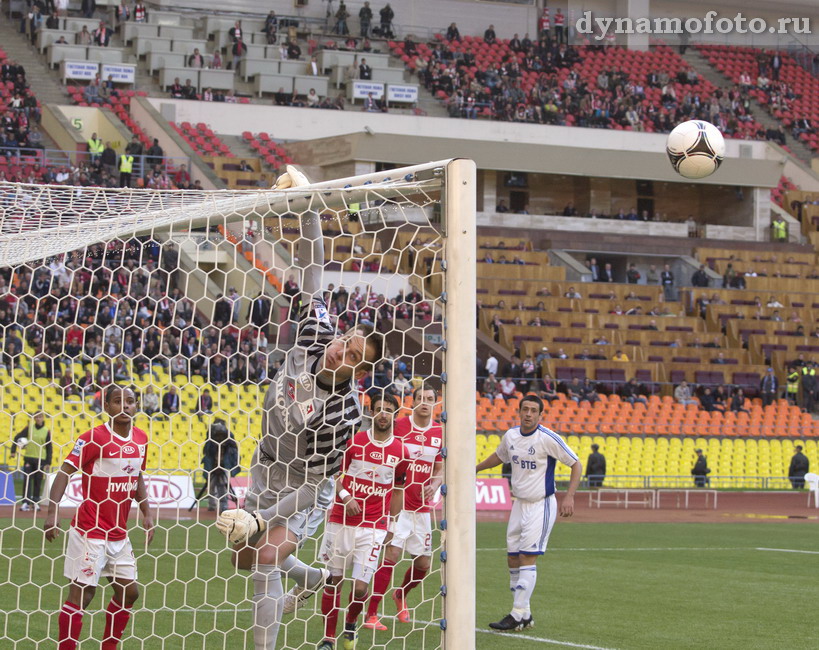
(291, 178)
(239, 525)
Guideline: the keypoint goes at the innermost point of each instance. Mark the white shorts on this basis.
(413, 533)
(88, 559)
(352, 548)
(530, 523)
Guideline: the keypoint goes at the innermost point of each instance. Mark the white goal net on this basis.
(224, 313)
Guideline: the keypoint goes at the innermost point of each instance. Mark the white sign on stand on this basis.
(120, 73)
(398, 93)
(362, 89)
(84, 70)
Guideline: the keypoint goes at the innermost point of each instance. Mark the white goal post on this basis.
(42, 224)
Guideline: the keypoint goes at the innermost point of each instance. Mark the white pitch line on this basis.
(233, 610)
(657, 548)
(787, 550)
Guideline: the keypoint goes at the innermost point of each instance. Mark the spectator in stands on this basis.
(452, 33)
(34, 23)
(150, 401)
(293, 50)
(508, 388)
(651, 276)
(700, 277)
(719, 359)
(633, 275)
(196, 60)
(188, 90)
(341, 16)
(620, 356)
(155, 154)
(123, 14)
(800, 465)
(490, 37)
(570, 210)
(708, 401)
(140, 12)
(271, 27)
(108, 159)
(61, 8)
(548, 388)
(102, 35)
(588, 392)
(700, 470)
(606, 274)
(596, 467)
(738, 402)
(386, 16)
(91, 93)
(769, 387)
(490, 387)
(364, 70)
(683, 394)
(371, 104)
(667, 280)
(239, 51)
(631, 392)
(574, 390)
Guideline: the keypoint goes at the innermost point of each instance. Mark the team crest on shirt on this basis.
(435, 442)
(531, 451)
(291, 390)
(307, 409)
(306, 382)
(392, 460)
(141, 449)
(77, 447)
(321, 312)
(128, 469)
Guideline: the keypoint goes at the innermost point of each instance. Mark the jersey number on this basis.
(374, 553)
(528, 464)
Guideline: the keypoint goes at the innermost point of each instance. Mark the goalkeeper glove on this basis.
(291, 178)
(239, 525)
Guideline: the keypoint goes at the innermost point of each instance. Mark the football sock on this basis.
(514, 574)
(355, 607)
(70, 624)
(116, 619)
(412, 578)
(303, 574)
(330, 604)
(381, 582)
(523, 592)
(268, 600)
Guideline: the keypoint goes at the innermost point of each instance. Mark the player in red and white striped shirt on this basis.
(111, 458)
(412, 530)
(373, 463)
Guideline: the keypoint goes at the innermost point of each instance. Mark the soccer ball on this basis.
(695, 149)
(22, 442)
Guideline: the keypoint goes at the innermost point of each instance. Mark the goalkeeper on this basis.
(310, 412)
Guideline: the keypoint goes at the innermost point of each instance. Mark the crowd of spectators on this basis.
(20, 118)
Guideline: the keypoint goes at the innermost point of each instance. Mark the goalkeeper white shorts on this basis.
(88, 559)
(351, 549)
(413, 533)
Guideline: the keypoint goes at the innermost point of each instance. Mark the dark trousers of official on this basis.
(560, 34)
(768, 398)
(798, 482)
(807, 400)
(596, 481)
(125, 179)
(700, 480)
(33, 480)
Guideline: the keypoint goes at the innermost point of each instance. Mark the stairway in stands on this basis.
(44, 82)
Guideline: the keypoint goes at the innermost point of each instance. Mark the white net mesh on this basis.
(197, 302)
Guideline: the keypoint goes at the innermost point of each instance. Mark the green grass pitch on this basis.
(600, 585)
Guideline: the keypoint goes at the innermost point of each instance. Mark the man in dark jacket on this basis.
(768, 387)
(800, 465)
(700, 277)
(700, 471)
(596, 467)
(220, 458)
(259, 315)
